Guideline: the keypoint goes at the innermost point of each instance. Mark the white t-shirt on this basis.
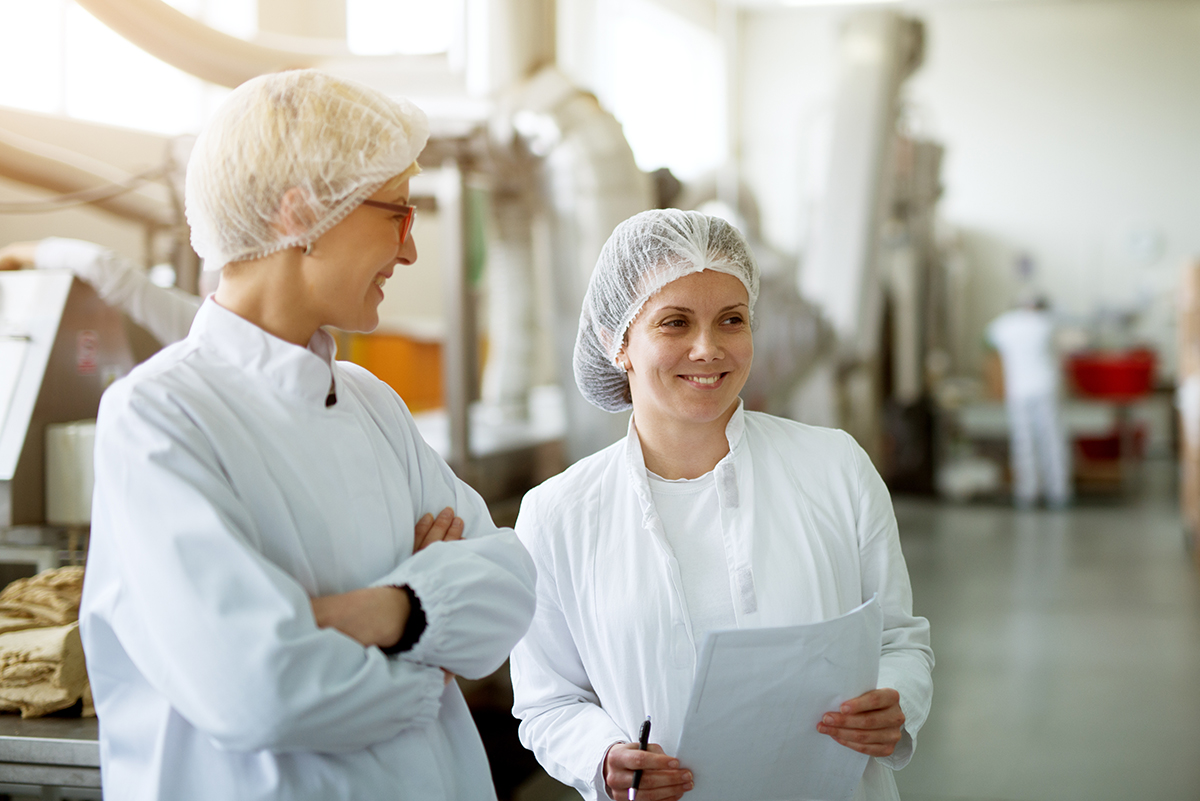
(691, 519)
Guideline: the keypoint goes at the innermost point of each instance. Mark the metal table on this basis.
(50, 752)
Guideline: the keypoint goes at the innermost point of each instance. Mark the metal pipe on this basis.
(460, 330)
(58, 170)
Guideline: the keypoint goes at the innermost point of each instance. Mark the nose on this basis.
(407, 252)
(706, 346)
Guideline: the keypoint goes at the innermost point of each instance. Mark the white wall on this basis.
(1072, 132)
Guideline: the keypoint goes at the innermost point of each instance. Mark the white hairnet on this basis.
(644, 254)
(336, 141)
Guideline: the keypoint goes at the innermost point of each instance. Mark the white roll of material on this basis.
(69, 472)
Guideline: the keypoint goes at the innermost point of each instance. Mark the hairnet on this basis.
(336, 141)
(644, 254)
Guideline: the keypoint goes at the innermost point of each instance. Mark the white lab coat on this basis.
(227, 495)
(809, 533)
(165, 312)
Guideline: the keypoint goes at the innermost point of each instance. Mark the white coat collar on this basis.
(738, 522)
(726, 469)
(307, 373)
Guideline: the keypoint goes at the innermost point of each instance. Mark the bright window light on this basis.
(385, 27)
(110, 80)
(668, 90)
(72, 64)
(32, 50)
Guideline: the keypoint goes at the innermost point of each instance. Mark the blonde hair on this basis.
(330, 142)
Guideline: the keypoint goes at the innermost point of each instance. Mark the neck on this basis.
(674, 449)
(269, 293)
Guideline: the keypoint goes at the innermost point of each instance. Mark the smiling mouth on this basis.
(704, 380)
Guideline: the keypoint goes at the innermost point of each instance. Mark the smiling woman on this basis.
(704, 517)
(687, 356)
(271, 609)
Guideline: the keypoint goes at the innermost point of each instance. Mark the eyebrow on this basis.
(686, 310)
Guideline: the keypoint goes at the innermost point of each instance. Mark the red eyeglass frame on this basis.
(406, 222)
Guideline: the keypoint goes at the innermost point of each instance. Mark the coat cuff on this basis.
(598, 782)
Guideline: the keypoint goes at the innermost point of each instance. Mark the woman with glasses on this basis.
(271, 609)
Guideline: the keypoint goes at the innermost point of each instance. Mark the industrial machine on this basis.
(60, 347)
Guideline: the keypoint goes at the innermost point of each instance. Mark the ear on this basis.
(622, 361)
(296, 215)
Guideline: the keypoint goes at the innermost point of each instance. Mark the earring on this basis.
(308, 249)
(622, 366)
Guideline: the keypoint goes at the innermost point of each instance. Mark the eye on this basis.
(676, 323)
(734, 319)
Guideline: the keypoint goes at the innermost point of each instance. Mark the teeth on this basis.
(380, 280)
(701, 379)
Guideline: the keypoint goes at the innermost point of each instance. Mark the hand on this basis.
(870, 724)
(662, 778)
(372, 615)
(444, 528)
(18, 255)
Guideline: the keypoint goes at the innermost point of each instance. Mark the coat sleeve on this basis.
(477, 593)
(166, 313)
(176, 589)
(906, 663)
(562, 721)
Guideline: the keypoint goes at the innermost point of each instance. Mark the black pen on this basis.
(643, 741)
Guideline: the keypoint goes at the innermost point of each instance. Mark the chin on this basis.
(707, 412)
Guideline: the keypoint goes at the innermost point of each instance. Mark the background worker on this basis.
(166, 312)
(1041, 467)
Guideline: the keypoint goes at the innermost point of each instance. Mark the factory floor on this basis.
(1067, 645)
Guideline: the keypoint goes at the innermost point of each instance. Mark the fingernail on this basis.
(827, 720)
(674, 763)
(687, 777)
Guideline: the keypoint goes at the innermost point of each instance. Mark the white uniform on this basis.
(1037, 443)
(227, 495)
(165, 313)
(809, 534)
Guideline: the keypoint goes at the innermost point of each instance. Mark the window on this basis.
(70, 63)
(668, 89)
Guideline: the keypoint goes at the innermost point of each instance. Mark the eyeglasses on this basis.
(404, 219)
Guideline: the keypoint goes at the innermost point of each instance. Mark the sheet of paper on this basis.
(750, 731)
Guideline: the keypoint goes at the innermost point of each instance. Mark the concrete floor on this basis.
(1068, 651)
(1067, 646)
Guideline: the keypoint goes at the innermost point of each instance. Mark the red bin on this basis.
(1113, 375)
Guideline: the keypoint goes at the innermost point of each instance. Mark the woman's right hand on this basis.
(662, 777)
(443, 528)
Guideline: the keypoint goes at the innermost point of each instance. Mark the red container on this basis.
(1113, 375)
(1103, 449)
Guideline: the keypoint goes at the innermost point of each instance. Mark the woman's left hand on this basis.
(870, 724)
(372, 615)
